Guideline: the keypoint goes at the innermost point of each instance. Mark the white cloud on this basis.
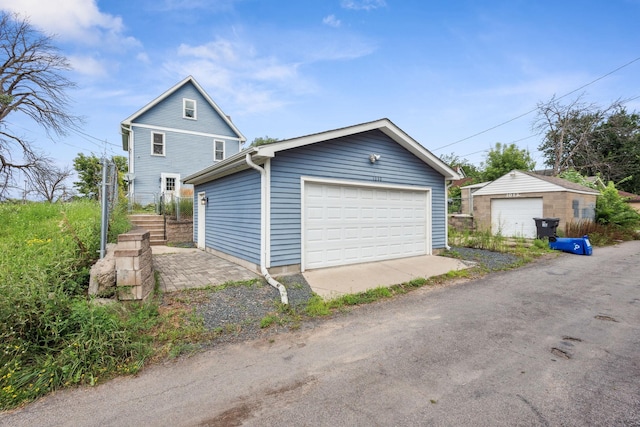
(363, 4)
(332, 21)
(235, 72)
(88, 66)
(143, 57)
(78, 21)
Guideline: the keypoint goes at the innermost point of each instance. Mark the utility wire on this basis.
(104, 141)
(536, 109)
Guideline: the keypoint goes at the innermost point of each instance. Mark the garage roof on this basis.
(261, 153)
(528, 182)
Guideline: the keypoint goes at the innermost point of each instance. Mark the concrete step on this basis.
(154, 224)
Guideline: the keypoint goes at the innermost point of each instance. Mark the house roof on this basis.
(261, 153)
(478, 185)
(542, 183)
(562, 182)
(125, 125)
(629, 197)
(461, 182)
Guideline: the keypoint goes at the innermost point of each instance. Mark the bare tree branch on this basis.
(47, 180)
(33, 83)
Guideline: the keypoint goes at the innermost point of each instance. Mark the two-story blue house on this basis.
(178, 133)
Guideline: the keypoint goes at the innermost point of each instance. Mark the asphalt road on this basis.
(553, 343)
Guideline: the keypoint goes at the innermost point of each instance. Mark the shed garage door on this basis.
(514, 217)
(349, 224)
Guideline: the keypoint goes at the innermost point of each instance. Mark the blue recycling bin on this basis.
(578, 246)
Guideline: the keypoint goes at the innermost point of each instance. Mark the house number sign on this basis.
(513, 194)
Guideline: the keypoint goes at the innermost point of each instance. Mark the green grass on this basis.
(51, 334)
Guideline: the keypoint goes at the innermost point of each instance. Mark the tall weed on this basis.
(50, 334)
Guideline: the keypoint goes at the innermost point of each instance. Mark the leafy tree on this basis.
(592, 140)
(263, 141)
(470, 170)
(575, 176)
(32, 83)
(89, 169)
(612, 209)
(504, 158)
(616, 145)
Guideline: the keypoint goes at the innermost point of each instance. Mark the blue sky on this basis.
(442, 71)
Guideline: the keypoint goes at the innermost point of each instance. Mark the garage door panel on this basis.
(514, 217)
(316, 213)
(362, 224)
(382, 232)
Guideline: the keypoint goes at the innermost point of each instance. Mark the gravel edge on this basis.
(237, 310)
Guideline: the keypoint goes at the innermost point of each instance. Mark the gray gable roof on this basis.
(517, 181)
(562, 182)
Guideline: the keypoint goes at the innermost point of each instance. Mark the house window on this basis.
(157, 144)
(189, 109)
(218, 150)
(169, 184)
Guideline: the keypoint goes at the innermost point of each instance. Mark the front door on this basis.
(169, 186)
(202, 208)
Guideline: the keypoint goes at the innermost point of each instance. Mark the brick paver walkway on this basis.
(195, 269)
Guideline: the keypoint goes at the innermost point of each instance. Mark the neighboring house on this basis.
(632, 199)
(466, 195)
(367, 192)
(508, 205)
(176, 134)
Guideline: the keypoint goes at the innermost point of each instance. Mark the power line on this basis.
(535, 109)
(96, 138)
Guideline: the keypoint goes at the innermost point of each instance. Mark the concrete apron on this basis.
(350, 279)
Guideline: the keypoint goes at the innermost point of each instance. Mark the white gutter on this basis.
(447, 186)
(263, 231)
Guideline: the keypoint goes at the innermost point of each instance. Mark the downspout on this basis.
(447, 186)
(263, 231)
(130, 159)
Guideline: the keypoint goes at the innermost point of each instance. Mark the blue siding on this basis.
(344, 158)
(168, 113)
(233, 215)
(184, 153)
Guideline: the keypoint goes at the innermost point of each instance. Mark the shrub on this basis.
(612, 209)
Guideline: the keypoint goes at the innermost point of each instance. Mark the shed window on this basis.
(157, 144)
(575, 204)
(189, 109)
(218, 150)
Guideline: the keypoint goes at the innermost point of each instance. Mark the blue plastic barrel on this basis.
(574, 245)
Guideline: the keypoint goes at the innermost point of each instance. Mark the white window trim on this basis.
(215, 141)
(164, 144)
(184, 109)
(163, 182)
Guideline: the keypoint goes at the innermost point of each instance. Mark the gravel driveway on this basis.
(238, 310)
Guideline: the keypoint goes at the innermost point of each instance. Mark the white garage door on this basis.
(514, 217)
(348, 224)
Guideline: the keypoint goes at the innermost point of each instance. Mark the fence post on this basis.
(104, 223)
